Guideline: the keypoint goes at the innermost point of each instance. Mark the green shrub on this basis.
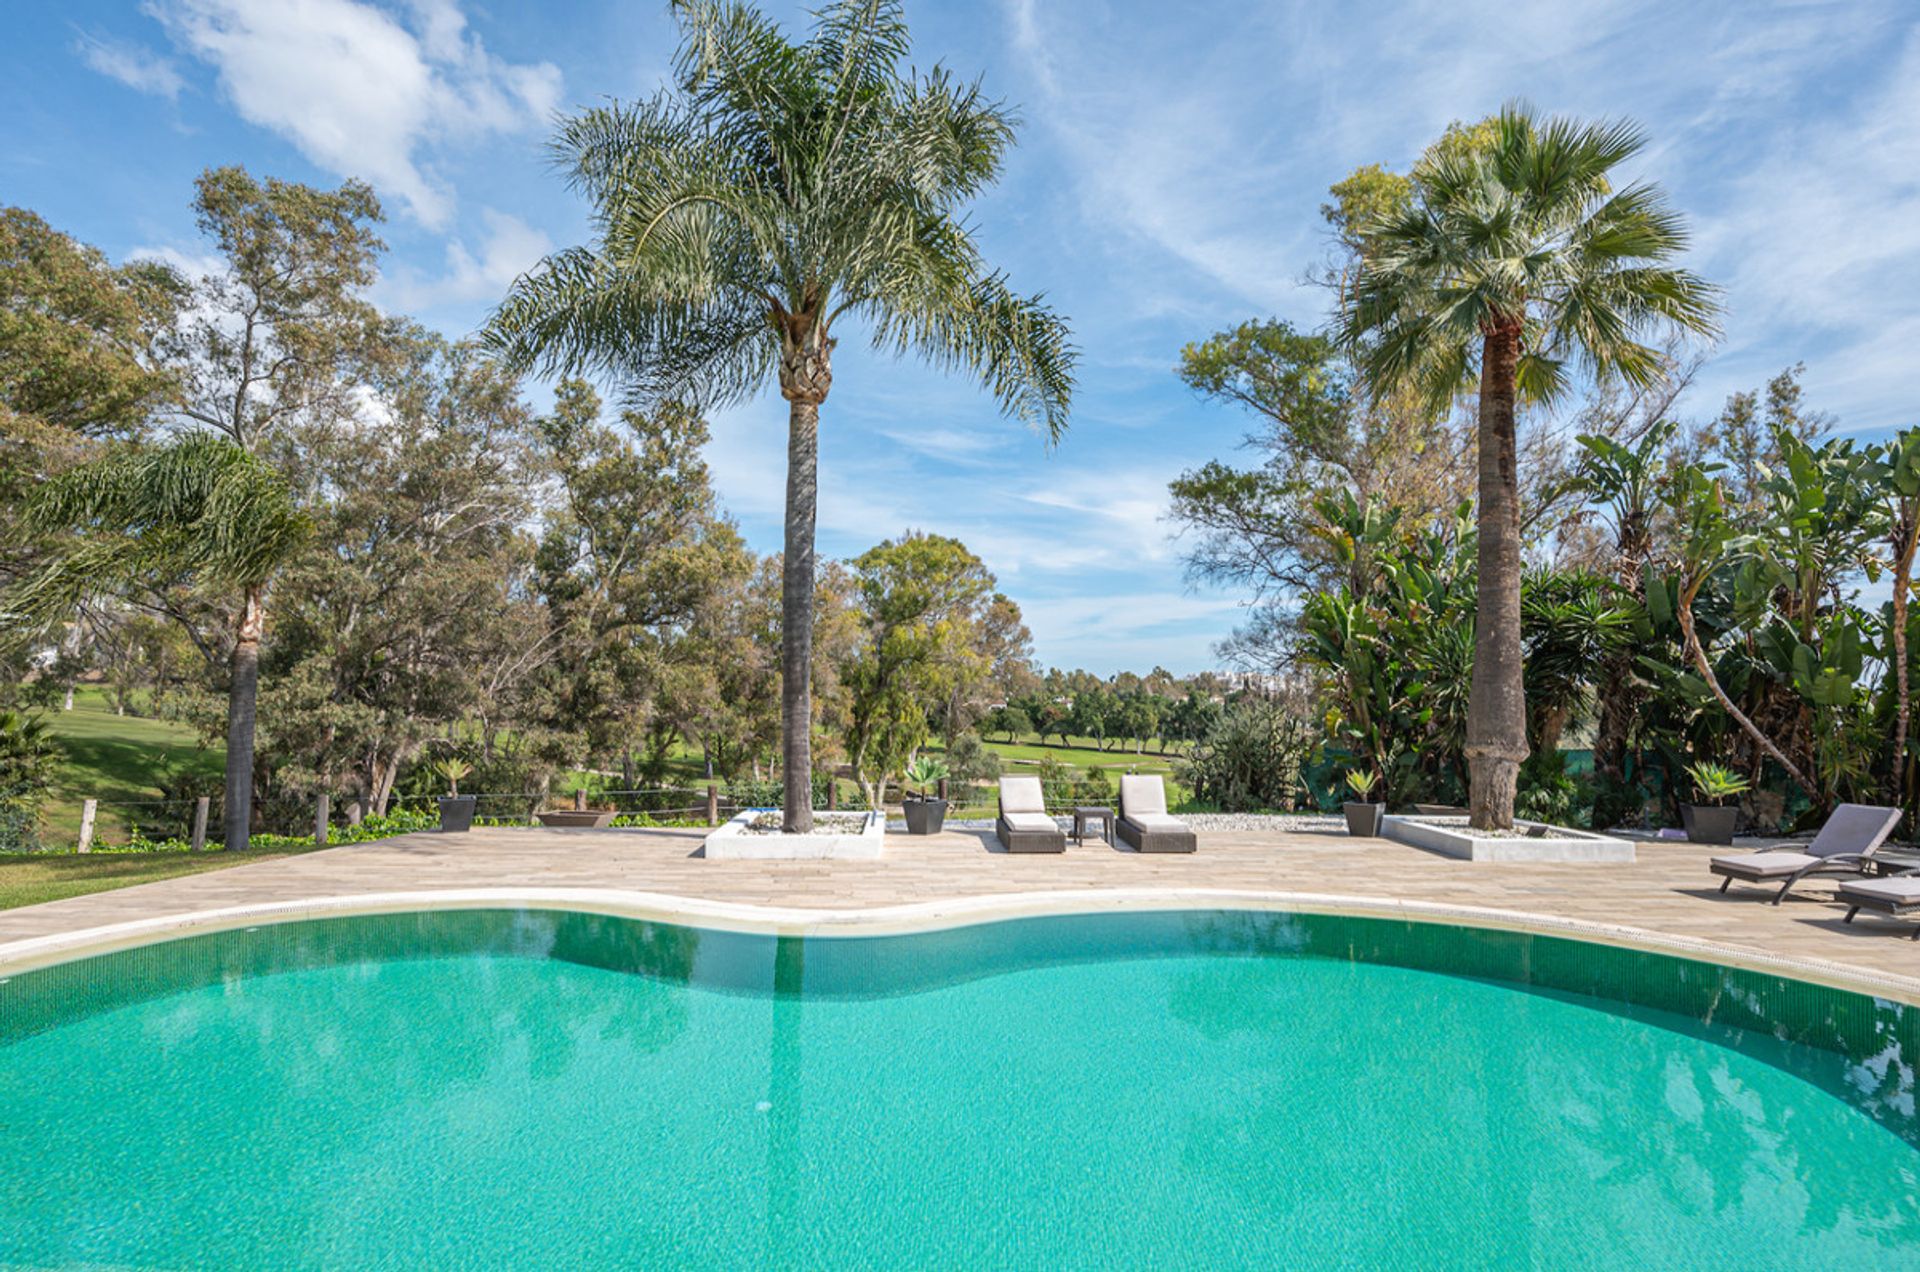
(971, 761)
(27, 755)
(1251, 759)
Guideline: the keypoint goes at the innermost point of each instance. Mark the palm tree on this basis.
(197, 511)
(776, 188)
(1518, 263)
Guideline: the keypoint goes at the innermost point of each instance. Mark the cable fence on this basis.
(287, 821)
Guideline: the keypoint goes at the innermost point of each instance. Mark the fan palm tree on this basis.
(1520, 264)
(776, 189)
(197, 511)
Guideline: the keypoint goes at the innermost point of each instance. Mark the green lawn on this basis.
(32, 877)
(1084, 754)
(112, 758)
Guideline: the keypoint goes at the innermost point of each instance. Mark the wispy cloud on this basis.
(361, 93)
(137, 67)
(507, 247)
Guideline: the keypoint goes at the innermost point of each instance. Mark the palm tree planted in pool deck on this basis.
(777, 189)
(198, 512)
(1520, 264)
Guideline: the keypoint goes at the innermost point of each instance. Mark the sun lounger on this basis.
(1895, 895)
(1845, 845)
(1144, 822)
(1023, 824)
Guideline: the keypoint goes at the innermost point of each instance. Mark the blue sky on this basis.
(1167, 185)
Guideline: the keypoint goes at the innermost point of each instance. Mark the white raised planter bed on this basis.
(854, 836)
(1454, 837)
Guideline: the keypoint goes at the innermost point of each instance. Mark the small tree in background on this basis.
(198, 513)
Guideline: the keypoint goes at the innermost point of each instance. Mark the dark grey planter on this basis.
(1363, 820)
(1710, 823)
(456, 812)
(924, 816)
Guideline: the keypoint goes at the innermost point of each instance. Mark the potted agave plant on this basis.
(1713, 821)
(926, 811)
(456, 810)
(1363, 814)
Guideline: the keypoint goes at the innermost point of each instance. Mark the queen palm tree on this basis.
(1518, 262)
(198, 511)
(775, 189)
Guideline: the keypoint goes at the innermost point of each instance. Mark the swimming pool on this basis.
(486, 1087)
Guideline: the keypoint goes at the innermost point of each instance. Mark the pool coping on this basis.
(32, 953)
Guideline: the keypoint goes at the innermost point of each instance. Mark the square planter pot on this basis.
(1710, 823)
(456, 812)
(925, 816)
(578, 818)
(1363, 820)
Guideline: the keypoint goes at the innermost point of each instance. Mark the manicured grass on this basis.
(29, 878)
(113, 758)
(1029, 751)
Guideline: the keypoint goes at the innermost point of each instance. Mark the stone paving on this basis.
(1666, 893)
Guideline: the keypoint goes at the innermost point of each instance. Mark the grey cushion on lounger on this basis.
(1029, 821)
(1143, 795)
(1022, 795)
(1155, 821)
(1765, 865)
(1902, 890)
(1853, 828)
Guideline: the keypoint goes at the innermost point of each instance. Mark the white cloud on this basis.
(360, 93)
(137, 67)
(192, 265)
(508, 248)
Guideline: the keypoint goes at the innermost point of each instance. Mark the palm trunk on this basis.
(796, 618)
(806, 375)
(1908, 539)
(1496, 702)
(242, 697)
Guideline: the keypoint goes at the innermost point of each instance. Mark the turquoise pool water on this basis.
(539, 1089)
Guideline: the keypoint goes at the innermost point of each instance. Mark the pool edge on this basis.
(31, 953)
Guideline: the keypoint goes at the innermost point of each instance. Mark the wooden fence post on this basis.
(713, 805)
(833, 794)
(943, 788)
(87, 811)
(200, 823)
(322, 810)
(580, 800)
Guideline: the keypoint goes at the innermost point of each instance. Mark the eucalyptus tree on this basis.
(1520, 263)
(198, 512)
(274, 335)
(776, 188)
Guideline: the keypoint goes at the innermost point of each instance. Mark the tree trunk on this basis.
(796, 620)
(1697, 652)
(1496, 701)
(242, 697)
(1908, 538)
(806, 374)
(1618, 694)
